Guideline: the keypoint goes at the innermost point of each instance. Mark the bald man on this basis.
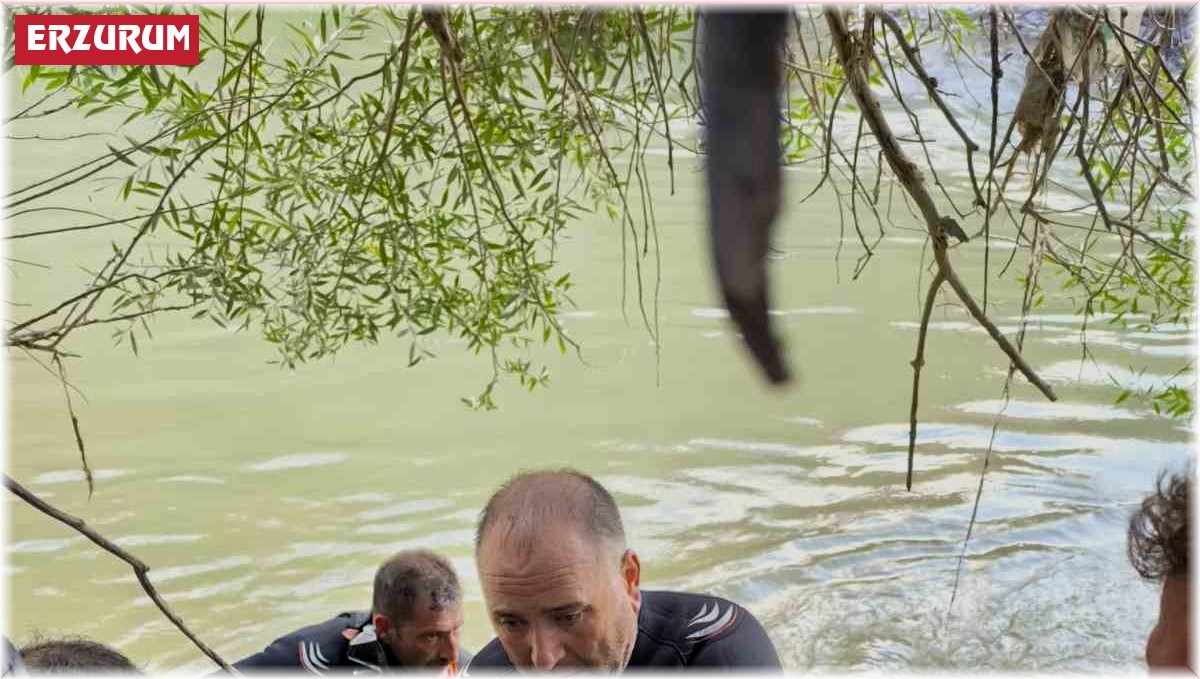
(562, 590)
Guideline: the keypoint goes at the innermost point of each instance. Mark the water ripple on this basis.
(68, 475)
(295, 461)
(1040, 410)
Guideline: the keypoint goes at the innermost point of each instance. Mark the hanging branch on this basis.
(917, 363)
(140, 569)
(62, 374)
(662, 99)
(853, 63)
(993, 41)
(930, 83)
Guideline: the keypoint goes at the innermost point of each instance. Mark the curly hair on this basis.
(1158, 532)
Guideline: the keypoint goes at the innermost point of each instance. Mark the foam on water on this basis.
(40, 546)
(297, 461)
(166, 574)
(193, 479)
(69, 475)
(146, 540)
(1037, 410)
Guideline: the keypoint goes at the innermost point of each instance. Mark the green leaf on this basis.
(30, 77)
(121, 156)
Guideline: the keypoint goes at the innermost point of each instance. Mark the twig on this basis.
(1151, 240)
(87, 471)
(908, 175)
(38, 103)
(1008, 348)
(119, 260)
(92, 291)
(140, 569)
(1083, 124)
(131, 316)
(662, 99)
(987, 212)
(1031, 277)
(894, 85)
(828, 142)
(588, 118)
(918, 362)
(930, 83)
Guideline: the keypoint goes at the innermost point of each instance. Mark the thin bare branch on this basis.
(909, 176)
(140, 569)
(918, 363)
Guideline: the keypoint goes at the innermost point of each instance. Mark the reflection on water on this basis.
(76, 476)
(192, 479)
(721, 314)
(162, 575)
(295, 461)
(962, 436)
(142, 540)
(34, 546)
(1096, 374)
(1032, 410)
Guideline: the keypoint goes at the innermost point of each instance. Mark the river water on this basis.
(264, 499)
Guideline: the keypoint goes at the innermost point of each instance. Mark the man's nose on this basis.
(546, 649)
(448, 649)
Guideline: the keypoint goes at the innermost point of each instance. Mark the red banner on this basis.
(107, 40)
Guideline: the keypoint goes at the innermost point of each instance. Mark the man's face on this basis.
(1167, 647)
(428, 638)
(561, 601)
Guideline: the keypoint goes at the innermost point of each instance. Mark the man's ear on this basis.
(631, 578)
(383, 625)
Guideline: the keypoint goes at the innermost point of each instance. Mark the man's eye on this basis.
(568, 619)
(509, 623)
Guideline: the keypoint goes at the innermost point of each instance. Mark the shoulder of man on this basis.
(699, 630)
(491, 659)
(315, 648)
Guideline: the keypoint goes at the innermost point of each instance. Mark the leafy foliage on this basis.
(375, 172)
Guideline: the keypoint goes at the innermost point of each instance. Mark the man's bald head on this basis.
(532, 501)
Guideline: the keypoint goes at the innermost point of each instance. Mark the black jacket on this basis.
(346, 643)
(678, 630)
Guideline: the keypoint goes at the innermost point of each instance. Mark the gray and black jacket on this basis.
(345, 644)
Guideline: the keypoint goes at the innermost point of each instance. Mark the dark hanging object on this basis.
(741, 66)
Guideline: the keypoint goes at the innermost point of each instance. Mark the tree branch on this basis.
(930, 83)
(140, 569)
(910, 178)
(918, 362)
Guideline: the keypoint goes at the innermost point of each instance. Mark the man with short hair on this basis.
(414, 623)
(1159, 541)
(562, 590)
(73, 655)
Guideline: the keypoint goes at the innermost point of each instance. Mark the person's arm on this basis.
(291, 651)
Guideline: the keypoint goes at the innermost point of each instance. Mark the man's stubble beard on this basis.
(630, 643)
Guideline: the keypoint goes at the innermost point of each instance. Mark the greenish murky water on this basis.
(264, 499)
